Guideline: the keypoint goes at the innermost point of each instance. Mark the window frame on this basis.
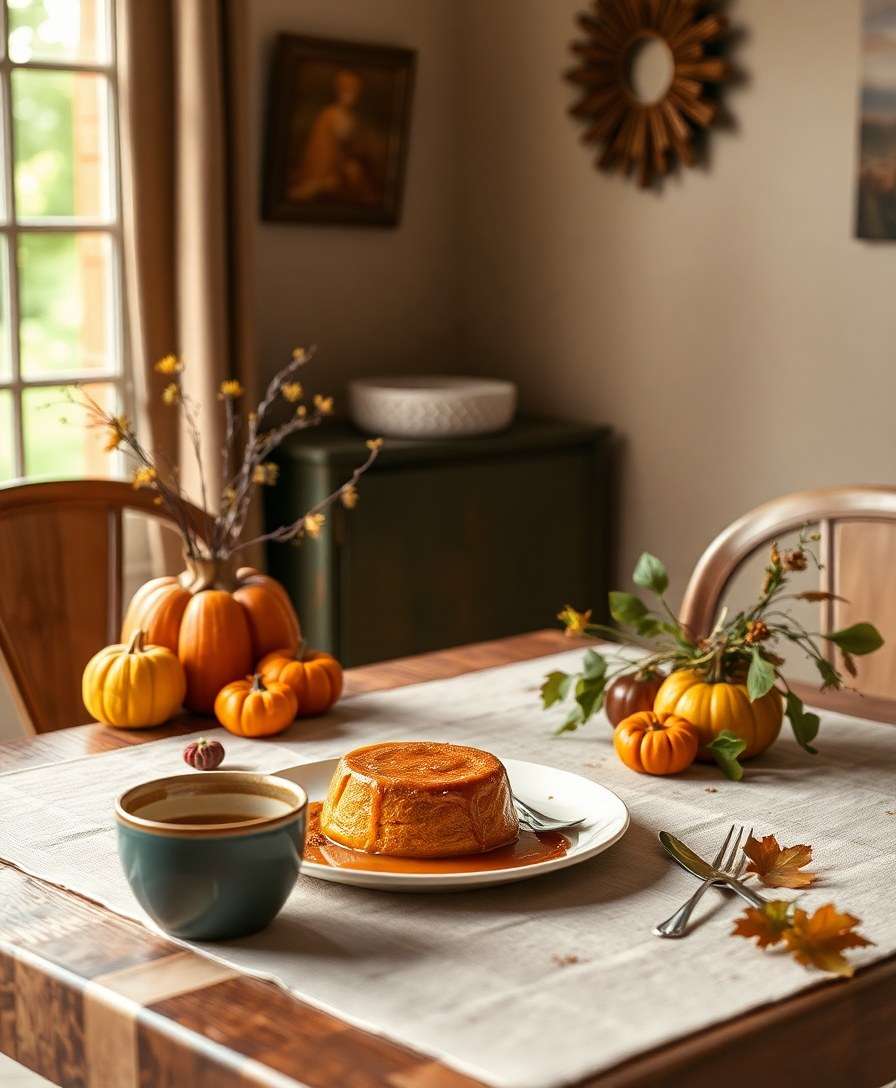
(12, 227)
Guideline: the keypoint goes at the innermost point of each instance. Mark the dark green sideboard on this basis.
(452, 541)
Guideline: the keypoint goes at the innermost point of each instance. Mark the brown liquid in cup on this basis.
(207, 819)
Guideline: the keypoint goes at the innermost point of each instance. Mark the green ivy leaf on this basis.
(861, 638)
(829, 676)
(594, 665)
(761, 677)
(803, 723)
(572, 722)
(726, 747)
(555, 688)
(626, 608)
(651, 574)
(590, 696)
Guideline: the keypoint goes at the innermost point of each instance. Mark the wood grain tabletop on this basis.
(90, 999)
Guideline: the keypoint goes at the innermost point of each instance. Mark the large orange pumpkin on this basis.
(655, 744)
(314, 676)
(714, 707)
(217, 622)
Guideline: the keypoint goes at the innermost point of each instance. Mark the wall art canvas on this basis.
(338, 120)
(876, 188)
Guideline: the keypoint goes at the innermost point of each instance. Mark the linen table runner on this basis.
(539, 983)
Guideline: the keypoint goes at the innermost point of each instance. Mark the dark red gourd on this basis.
(630, 694)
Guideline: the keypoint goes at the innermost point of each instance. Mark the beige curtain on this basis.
(184, 215)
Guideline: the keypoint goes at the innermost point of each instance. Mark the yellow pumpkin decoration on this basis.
(714, 707)
(133, 686)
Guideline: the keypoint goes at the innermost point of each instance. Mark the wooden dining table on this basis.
(89, 998)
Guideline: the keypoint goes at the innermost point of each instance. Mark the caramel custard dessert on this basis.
(419, 799)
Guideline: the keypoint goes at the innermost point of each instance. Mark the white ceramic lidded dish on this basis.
(431, 406)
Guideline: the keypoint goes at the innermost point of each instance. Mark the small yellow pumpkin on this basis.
(132, 686)
(254, 708)
(714, 707)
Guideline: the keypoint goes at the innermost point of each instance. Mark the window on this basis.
(61, 313)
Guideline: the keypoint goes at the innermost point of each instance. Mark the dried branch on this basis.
(225, 527)
(299, 527)
(120, 433)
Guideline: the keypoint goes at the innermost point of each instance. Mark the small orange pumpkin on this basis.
(252, 708)
(656, 744)
(314, 676)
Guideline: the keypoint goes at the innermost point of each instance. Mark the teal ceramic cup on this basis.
(212, 856)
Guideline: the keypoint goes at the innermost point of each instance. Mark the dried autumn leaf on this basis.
(819, 940)
(766, 923)
(779, 866)
(819, 595)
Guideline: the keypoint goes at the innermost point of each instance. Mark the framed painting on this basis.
(337, 132)
(876, 182)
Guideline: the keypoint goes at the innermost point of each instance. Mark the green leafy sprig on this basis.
(739, 649)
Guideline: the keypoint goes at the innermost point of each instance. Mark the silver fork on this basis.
(537, 821)
(676, 925)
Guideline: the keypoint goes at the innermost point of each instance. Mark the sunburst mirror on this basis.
(644, 68)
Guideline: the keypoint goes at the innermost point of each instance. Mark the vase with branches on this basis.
(219, 617)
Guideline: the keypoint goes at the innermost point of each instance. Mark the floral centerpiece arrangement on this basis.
(726, 687)
(223, 622)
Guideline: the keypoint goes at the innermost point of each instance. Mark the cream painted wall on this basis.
(374, 299)
(731, 329)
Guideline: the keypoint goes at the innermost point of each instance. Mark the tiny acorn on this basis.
(204, 754)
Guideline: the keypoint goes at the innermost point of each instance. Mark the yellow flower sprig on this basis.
(169, 365)
(312, 525)
(576, 623)
(115, 432)
(145, 476)
(266, 474)
(231, 389)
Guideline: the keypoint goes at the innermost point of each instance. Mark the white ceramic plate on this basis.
(560, 794)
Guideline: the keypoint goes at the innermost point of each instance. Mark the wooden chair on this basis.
(858, 554)
(61, 565)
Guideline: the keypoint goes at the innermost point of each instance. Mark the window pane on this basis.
(4, 152)
(6, 435)
(65, 299)
(60, 122)
(58, 441)
(5, 362)
(58, 30)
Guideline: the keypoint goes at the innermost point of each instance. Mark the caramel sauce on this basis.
(530, 848)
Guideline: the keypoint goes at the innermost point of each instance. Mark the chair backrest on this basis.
(858, 554)
(61, 562)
